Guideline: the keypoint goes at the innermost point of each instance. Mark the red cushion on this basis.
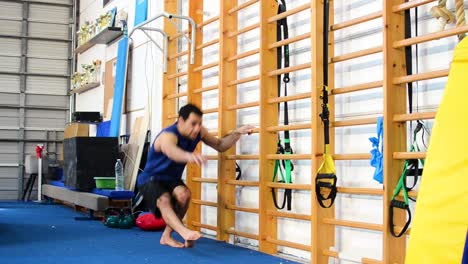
(149, 222)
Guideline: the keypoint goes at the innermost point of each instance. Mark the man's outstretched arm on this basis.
(227, 141)
(167, 144)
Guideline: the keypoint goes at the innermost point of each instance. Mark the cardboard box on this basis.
(76, 130)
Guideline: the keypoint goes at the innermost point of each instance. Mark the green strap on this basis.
(287, 168)
(287, 163)
(277, 167)
(401, 185)
(401, 182)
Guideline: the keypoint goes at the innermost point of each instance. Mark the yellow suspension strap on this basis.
(325, 181)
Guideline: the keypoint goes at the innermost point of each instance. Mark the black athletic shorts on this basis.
(153, 189)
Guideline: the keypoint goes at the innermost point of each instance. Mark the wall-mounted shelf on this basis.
(105, 36)
(85, 88)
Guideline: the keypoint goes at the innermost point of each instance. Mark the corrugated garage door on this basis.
(35, 43)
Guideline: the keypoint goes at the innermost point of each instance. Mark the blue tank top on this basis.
(159, 167)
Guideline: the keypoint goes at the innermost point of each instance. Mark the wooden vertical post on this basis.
(169, 86)
(394, 132)
(323, 236)
(226, 118)
(194, 81)
(268, 117)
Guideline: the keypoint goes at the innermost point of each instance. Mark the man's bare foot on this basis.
(191, 235)
(169, 241)
(189, 243)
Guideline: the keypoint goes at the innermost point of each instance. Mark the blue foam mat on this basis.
(37, 233)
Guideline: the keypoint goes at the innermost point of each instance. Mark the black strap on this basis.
(409, 59)
(325, 115)
(238, 172)
(399, 205)
(413, 170)
(282, 33)
(287, 198)
(323, 181)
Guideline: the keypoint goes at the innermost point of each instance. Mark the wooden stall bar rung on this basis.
(352, 156)
(205, 180)
(356, 21)
(205, 67)
(289, 156)
(334, 254)
(177, 55)
(410, 4)
(243, 183)
(289, 41)
(290, 69)
(210, 110)
(358, 87)
(242, 234)
(210, 227)
(242, 157)
(206, 89)
(371, 261)
(360, 191)
(432, 36)
(242, 209)
(356, 54)
(293, 186)
(289, 13)
(409, 155)
(243, 55)
(244, 80)
(353, 224)
(242, 106)
(206, 203)
(289, 98)
(289, 215)
(355, 122)
(178, 35)
(244, 30)
(288, 244)
(242, 6)
(414, 116)
(207, 44)
(211, 157)
(176, 75)
(176, 95)
(208, 21)
(421, 76)
(289, 127)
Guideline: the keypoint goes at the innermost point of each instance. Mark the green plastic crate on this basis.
(105, 182)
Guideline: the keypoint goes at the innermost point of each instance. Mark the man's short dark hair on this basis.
(185, 111)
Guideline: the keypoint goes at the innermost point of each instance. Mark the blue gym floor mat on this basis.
(40, 233)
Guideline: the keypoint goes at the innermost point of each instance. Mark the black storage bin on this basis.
(86, 158)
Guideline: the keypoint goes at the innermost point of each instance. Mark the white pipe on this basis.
(171, 16)
(193, 41)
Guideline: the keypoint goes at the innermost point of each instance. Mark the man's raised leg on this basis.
(173, 222)
(182, 196)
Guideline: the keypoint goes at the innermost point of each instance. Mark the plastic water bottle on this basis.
(119, 177)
